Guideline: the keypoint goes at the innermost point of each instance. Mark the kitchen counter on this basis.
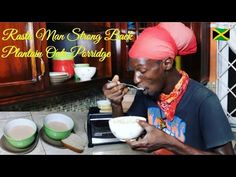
(42, 148)
(80, 119)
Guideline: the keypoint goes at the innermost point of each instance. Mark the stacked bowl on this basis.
(58, 77)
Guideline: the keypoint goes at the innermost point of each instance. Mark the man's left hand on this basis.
(153, 139)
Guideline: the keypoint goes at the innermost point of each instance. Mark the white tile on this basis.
(37, 150)
(38, 118)
(79, 127)
(113, 149)
(15, 114)
(40, 113)
(79, 120)
(51, 150)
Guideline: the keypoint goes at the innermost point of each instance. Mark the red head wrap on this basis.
(166, 40)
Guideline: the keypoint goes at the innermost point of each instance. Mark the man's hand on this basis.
(156, 139)
(115, 91)
(153, 140)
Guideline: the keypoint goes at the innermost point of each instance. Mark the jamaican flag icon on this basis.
(221, 34)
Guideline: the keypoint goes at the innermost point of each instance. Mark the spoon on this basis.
(130, 85)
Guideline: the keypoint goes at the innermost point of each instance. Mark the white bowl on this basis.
(85, 73)
(126, 127)
(58, 77)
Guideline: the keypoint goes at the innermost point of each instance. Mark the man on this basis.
(184, 117)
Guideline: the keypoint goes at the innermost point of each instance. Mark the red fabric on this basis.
(166, 40)
(163, 151)
(168, 103)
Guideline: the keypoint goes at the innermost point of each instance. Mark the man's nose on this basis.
(137, 75)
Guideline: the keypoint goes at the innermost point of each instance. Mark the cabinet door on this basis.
(20, 71)
(88, 46)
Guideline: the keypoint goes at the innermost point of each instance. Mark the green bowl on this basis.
(21, 143)
(20, 126)
(55, 132)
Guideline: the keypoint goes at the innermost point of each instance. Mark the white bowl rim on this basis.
(78, 70)
(85, 68)
(15, 122)
(59, 118)
(125, 117)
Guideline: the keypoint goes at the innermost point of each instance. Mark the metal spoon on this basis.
(130, 85)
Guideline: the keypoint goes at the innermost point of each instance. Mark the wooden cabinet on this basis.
(20, 70)
(86, 40)
(196, 65)
(25, 77)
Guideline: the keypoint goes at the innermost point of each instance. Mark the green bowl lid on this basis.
(63, 56)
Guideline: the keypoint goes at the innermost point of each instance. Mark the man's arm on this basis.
(117, 110)
(180, 148)
(115, 92)
(156, 139)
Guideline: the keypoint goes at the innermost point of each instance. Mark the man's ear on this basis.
(168, 63)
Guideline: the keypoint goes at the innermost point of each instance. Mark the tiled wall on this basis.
(71, 102)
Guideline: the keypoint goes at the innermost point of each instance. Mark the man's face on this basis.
(148, 74)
